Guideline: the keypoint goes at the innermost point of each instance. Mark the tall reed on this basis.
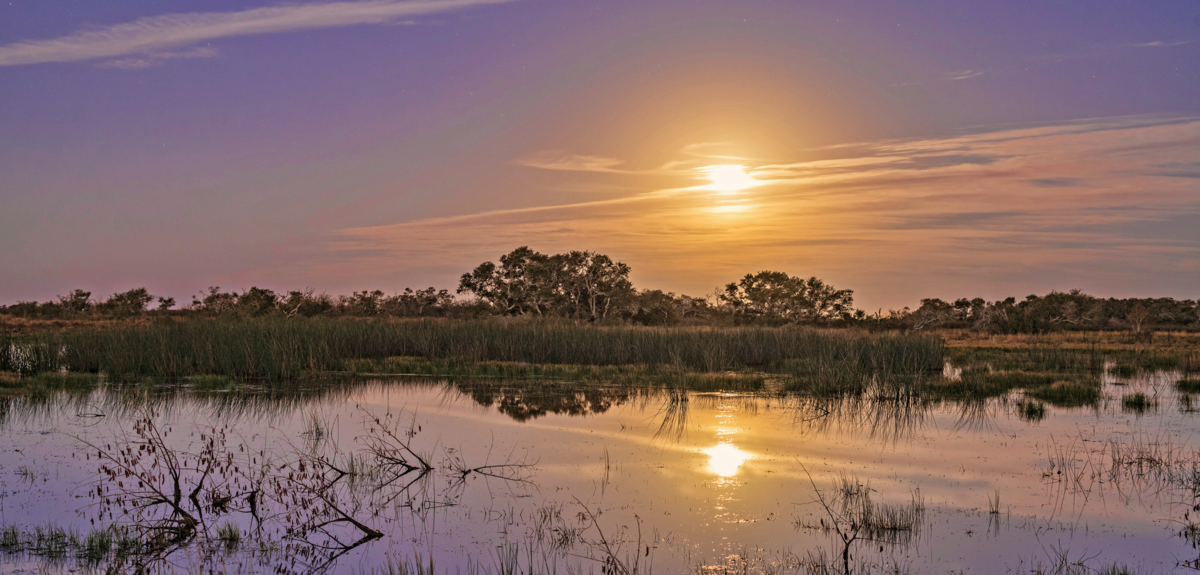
(287, 349)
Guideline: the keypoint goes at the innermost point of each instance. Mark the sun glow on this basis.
(725, 459)
(729, 178)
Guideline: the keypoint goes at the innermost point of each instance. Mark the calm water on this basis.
(712, 481)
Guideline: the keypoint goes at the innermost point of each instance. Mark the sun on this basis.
(729, 178)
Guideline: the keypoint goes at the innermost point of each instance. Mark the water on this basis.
(710, 482)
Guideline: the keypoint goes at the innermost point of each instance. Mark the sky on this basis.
(901, 149)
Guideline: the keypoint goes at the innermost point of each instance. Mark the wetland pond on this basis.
(393, 474)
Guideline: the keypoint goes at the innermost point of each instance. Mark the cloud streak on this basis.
(155, 36)
(1079, 204)
(157, 59)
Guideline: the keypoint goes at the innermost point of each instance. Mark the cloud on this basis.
(160, 34)
(965, 74)
(1158, 44)
(1055, 182)
(550, 160)
(156, 59)
(991, 212)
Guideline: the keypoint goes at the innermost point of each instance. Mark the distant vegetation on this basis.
(592, 287)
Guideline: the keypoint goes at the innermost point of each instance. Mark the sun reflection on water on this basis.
(725, 459)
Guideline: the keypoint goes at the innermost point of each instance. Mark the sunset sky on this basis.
(900, 149)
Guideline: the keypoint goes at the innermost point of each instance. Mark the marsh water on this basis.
(558, 478)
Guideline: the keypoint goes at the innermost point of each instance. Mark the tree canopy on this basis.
(776, 297)
(577, 284)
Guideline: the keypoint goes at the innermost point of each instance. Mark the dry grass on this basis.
(1102, 340)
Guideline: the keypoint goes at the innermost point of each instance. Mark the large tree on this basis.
(518, 286)
(587, 284)
(776, 297)
(577, 284)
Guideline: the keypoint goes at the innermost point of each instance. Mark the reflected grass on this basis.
(669, 376)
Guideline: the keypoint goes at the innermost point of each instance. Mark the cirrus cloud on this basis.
(155, 36)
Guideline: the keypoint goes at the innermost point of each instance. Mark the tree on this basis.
(76, 301)
(516, 287)
(931, 312)
(586, 284)
(776, 297)
(1137, 317)
(361, 303)
(418, 303)
(215, 301)
(257, 301)
(132, 302)
(577, 284)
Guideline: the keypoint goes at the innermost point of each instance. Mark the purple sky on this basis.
(904, 149)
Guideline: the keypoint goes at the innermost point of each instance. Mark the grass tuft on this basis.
(1067, 393)
(1137, 402)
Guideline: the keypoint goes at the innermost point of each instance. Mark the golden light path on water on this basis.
(725, 459)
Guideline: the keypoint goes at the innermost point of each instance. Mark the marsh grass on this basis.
(980, 382)
(276, 349)
(1030, 410)
(211, 382)
(1123, 370)
(852, 516)
(55, 543)
(1188, 385)
(1035, 357)
(1138, 402)
(43, 385)
(1068, 393)
(229, 535)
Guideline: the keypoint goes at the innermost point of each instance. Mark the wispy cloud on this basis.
(155, 36)
(156, 59)
(1158, 44)
(965, 74)
(1030, 208)
(550, 160)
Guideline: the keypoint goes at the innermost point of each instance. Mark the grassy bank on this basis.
(274, 349)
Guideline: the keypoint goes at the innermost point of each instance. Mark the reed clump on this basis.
(1137, 402)
(1031, 411)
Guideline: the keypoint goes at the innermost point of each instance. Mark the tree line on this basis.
(592, 287)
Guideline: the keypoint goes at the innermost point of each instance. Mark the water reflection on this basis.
(673, 463)
(725, 459)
